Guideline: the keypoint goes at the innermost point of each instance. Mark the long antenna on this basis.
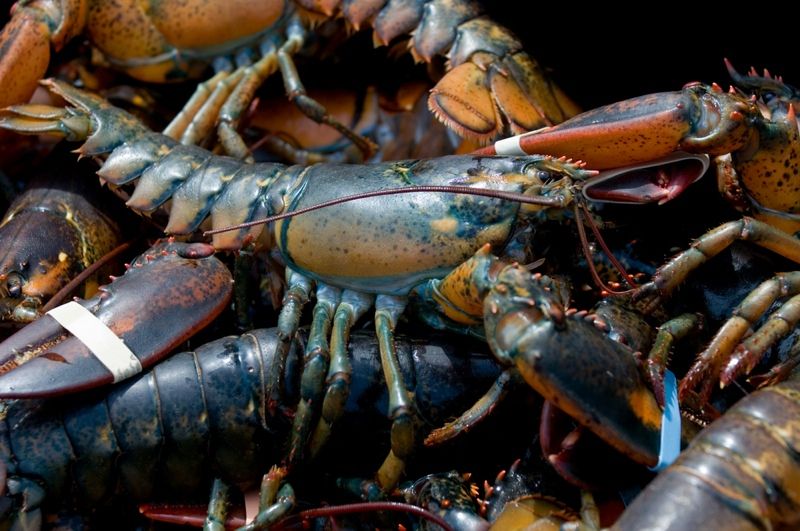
(467, 190)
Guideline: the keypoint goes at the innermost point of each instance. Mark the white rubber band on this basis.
(509, 146)
(109, 349)
(251, 501)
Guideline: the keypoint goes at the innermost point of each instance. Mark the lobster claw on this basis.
(168, 293)
(660, 180)
(573, 364)
(700, 119)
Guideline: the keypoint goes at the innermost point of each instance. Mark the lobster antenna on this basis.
(599, 237)
(495, 194)
(364, 507)
(588, 254)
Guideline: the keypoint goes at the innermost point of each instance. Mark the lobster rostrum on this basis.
(492, 86)
(756, 142)
(166, 295)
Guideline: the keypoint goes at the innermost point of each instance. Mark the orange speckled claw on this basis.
(167, 295)
(697, 119)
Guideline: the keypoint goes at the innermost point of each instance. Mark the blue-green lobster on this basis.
(427, 248)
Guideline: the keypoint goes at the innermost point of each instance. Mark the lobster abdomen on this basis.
(742, 472)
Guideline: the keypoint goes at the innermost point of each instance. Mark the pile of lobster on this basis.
(470, 257)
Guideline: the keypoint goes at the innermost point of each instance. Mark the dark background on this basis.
(601, 53)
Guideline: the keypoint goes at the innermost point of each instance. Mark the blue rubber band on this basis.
(670, 425)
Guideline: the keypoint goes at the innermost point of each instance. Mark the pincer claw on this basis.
(167, 294)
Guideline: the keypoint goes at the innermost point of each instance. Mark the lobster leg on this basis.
(310, 107)
(225, 97)
(276, 499)
(231, 111)
(726, 356)
(668, 277)
(401, 408)
(191, 108)
(315, 366)
(508, 380)
(674, 273)
(218, 506)
(352, 306)
(298, 291)
(658, 357)
(208, 104)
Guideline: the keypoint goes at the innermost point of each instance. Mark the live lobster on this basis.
(380, 270)
(742, 469)
(492, 85)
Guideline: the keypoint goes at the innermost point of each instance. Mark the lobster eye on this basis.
(535, 170)
(14, 284)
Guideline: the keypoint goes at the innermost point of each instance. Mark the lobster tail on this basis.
(494, 86)
(743, 469)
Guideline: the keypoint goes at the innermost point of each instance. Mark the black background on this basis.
(601, 53)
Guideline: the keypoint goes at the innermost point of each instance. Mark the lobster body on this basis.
(229, 192)
(743, 469)
(448, 228)
(200, 415)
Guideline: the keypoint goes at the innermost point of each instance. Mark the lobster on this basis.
(134, 438)
(492, 84)
(148, 309)
(742, 469)
(444, 295)
(756, 142)
(54, 230)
